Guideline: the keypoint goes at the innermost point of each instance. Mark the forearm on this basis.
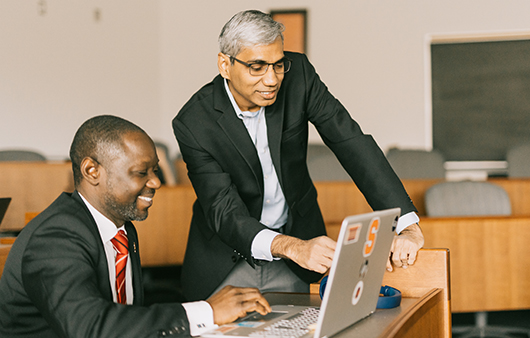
(315, 254)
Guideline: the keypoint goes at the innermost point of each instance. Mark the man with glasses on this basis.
(244, 136)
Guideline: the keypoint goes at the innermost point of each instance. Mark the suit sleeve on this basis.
(358, 153)
(62, 276)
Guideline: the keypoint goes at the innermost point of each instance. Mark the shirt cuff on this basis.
(406, 220)
(200, 317)
(261, 245)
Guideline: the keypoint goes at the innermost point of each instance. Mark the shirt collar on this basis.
(107, 229)
(240, 113)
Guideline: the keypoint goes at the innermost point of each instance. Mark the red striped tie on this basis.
(121, 245)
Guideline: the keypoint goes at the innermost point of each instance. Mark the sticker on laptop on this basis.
(371, 237)
(357, 292)
(353, 233)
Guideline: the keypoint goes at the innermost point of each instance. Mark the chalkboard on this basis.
(480, 98)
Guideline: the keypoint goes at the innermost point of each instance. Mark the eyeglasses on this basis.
(260, 68)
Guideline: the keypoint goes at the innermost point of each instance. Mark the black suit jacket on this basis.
(56, 282)
(226, 174)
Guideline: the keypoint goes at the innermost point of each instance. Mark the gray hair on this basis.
(246, 29)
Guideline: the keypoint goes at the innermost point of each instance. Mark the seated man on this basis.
(75, 269)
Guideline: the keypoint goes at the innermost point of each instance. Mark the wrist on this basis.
(282, 246)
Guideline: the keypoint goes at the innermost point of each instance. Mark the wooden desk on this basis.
(415, 317)
(490, 260)
(33, 186)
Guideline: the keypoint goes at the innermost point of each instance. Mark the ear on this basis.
(223, 63)
(91, 171)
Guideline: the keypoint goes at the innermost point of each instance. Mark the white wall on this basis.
(60, 68)
(144, 59)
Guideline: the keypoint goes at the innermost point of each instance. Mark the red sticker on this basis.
(357, 292)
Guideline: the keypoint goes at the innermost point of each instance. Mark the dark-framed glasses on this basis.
(260, 68)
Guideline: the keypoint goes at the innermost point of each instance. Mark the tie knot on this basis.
(120, 242)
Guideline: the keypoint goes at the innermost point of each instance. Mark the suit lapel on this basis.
(103, 269)
(135, 264)
(235, 130)
(274, 117)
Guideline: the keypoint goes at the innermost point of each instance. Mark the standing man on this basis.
(74, 270)
(244, 139)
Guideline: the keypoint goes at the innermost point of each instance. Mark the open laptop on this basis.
(4, 203)
(352, 288)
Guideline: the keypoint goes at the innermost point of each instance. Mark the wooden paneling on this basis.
(340, 199)
(164, 234)
(490, 260)
(33, 186)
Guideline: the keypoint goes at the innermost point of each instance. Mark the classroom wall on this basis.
(62, 62)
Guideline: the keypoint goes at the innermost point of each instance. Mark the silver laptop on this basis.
(4, 203)
(351, 292)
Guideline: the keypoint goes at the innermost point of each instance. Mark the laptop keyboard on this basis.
(295, 326)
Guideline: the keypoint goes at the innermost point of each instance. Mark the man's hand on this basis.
(231, 303)
(405, 247)
(315, 254)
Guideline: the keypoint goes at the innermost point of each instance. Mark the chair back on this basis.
(518, 159)
(411, 164)
(466, 198)
(167, 173)
(323, 165)
(20, 155)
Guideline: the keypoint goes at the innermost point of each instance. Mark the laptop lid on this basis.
(4, 203)
(353, 286)
(357, 270)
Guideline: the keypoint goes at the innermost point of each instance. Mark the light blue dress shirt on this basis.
(275, 211)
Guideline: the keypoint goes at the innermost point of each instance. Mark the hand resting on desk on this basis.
(405, 247)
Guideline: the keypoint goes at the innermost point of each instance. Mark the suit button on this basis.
(234, 258)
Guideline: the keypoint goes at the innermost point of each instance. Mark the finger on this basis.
(261, 309)
(404, 264)
(412, 257)
(262, 302)
(250, 295)
(396, 259)
(389, 264)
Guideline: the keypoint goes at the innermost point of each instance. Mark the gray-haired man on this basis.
(244, 139)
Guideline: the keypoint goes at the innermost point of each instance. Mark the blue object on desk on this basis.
(389, 297)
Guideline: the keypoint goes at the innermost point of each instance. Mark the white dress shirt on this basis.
(200, 314)
(275, 211)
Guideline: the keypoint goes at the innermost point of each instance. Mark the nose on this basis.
(270, 78)
(154, 181)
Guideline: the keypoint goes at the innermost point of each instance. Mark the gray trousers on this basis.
(272, 276)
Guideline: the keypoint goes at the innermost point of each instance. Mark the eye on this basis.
(257, 66)
(279, 66)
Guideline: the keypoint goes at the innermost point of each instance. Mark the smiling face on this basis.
(129, 180)
(253, 92)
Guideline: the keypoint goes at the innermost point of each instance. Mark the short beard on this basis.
(129, 212)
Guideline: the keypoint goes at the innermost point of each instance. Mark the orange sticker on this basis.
(371, 237)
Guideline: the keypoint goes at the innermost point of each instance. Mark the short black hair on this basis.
(99, 138)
